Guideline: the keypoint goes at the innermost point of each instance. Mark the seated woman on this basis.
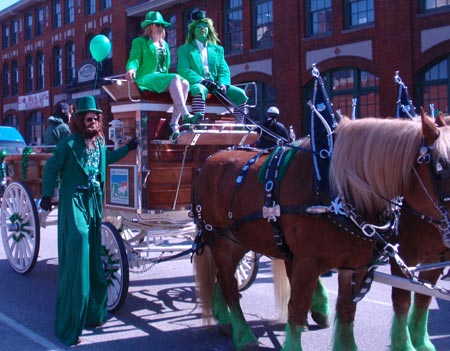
(148, 64)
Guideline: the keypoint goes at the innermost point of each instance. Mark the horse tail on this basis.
(205, 277)
(282, 288)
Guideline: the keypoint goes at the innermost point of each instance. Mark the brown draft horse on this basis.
(374, 160)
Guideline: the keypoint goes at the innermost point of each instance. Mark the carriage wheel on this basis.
(20, 227)
(115, 262)
(247, 270)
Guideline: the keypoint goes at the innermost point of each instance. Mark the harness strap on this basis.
(271, 209)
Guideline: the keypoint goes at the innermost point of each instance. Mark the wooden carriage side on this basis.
(158, 175)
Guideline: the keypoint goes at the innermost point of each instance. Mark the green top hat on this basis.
(154, 17)
(86, 104)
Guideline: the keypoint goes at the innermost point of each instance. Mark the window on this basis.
(39, 21)
(433, 5)
(318, 17)
(89, 7)
(171, 38)
(6, 80)
(87, 45)
(69, 11)
(5, 35)
(345, 84)
(34, 128)
(15, 78)
(40, 71)
(70, 62)
(56, 14)
(28, 26)
(263, 24)
(29, 86)
(359, 13)
(349, 83)
(266, 97)
(14, 32)
(57, 66)
(105, 4)
(436, 86)
(11, 121)
(233, 38)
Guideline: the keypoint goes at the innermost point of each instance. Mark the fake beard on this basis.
(90, 133)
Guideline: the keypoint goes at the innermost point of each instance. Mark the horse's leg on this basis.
(221, 312)
(411, 333)
(303, 281)
(418, 317)
(401, 302)
(343, 336)
(320, 308)
(227, 257)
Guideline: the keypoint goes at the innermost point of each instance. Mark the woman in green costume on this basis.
(148, 64)
(80, 162)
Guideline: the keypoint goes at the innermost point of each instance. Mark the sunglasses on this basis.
(90, 119)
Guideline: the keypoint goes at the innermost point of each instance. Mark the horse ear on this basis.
(440, 120)
(429, 129)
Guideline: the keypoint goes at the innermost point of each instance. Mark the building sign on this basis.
(33, 101)
(87, 72)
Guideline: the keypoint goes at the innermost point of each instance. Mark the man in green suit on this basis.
(201, 60)
(80, 162)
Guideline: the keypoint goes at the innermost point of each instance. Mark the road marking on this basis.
(49, 346)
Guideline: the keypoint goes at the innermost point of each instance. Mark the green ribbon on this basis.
(3, 154)
(26, 152)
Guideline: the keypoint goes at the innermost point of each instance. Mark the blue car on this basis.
(11, 141)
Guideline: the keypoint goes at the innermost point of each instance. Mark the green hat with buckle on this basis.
(154, 17)
(86, 104)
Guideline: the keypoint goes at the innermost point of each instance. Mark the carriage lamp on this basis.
(115, 132)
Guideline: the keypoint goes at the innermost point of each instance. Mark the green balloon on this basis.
(100, 47)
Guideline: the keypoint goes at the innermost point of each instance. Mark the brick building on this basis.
(357, 46)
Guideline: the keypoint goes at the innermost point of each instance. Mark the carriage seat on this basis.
(122, 90)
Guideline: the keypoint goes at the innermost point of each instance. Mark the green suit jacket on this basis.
(190, 67)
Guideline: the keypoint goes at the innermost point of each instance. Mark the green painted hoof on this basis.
(321, 319)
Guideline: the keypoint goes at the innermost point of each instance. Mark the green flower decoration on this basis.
(3, 154)
(26, 152)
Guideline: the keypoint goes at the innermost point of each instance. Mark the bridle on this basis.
(437, 172)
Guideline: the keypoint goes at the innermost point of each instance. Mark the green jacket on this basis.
(69, 162)
(143, 60)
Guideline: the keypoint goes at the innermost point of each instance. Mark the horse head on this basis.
(376, 160)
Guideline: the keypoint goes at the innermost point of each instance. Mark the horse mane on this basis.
(372, 160)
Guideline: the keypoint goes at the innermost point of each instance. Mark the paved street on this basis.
(161, 312)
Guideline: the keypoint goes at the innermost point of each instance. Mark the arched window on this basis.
(57, 66)
(187, 19)
(34, 128)
(11, 121)
(436, 85)
(266, 97)
(343, 85)
(70, 62)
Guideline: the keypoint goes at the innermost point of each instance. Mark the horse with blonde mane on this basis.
(374, 161)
